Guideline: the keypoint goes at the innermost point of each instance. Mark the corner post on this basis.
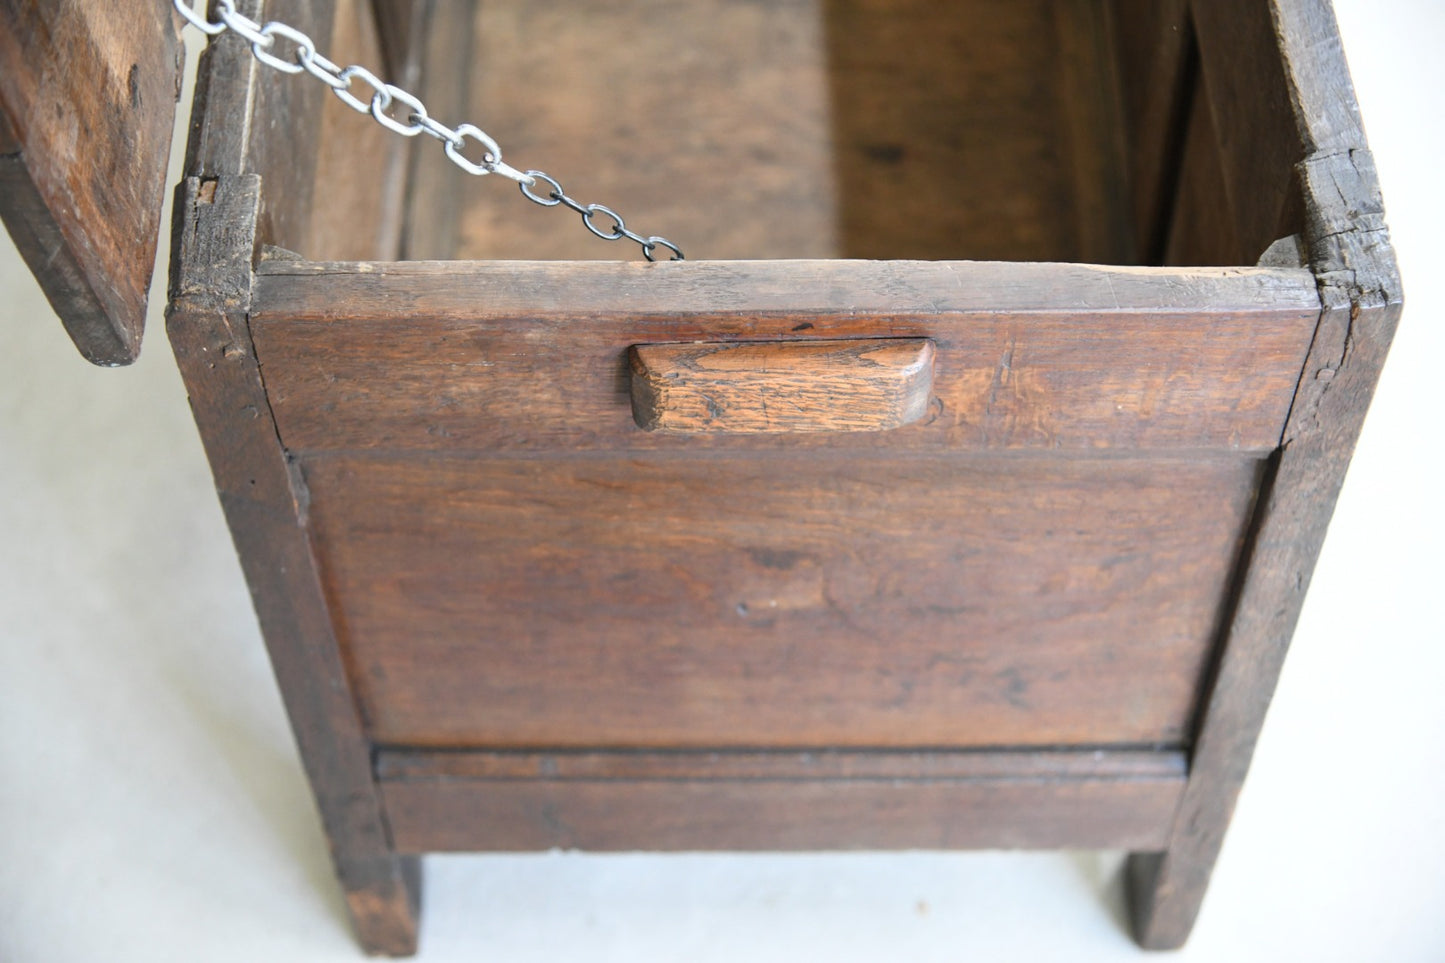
(1360, 296)
(264, 499)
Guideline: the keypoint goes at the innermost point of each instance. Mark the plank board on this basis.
(1292, 50)
(529, 356)
(800, 128)
(705, 801)
(807, 599)
(87, 102)
(1243, 86)
(788, 386)
(360, 167)
(1158, 72)
(263, 500)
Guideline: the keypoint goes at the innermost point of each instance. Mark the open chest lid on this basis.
(88, 96)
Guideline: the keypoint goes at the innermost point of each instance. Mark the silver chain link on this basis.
(268, 42)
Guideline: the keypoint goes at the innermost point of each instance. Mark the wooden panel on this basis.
(532, 356)
(803, 128)
(85, 94)
(435, 183)
(790, 386)
(1243, 85)
(811, 599)
(1202, 228)
(1158, 69)
(1091, 116)
(416, 765)
(949, 134)
(701, 801)
(712, 116)
(214, 238)
(399, 23)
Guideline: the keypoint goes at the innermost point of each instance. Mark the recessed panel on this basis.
(784, 600)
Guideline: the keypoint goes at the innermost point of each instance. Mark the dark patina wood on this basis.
(807, 599)
(264, 503)
(1158, 72)
(215, 235)
(532, 356)
(433, 187)
(1350, 254)
(88, 91)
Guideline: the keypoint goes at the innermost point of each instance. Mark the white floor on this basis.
(152, 806)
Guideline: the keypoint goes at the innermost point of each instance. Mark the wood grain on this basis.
(400, 25)
(435, 184)
(527, 356)
(1243, 87)
(360, 167)
(1158, 75)
(698, 801)
(1202, 227)
(796, 386)
(462, 548)
(87, 103)
(215, 236)
(1091, 115)
(803, 128)
(950, 131)
(263, 500)
(793, 599)
(1350, 252)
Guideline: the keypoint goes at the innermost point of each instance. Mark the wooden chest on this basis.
(961, 490)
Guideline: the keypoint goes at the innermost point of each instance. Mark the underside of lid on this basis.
(87, 102)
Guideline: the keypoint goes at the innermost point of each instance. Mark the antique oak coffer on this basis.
(893, 519)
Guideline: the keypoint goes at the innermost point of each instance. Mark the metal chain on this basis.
(385, 97)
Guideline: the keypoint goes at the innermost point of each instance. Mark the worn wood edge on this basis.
(1327, 113)
(384, 904)
(402, 764)
(827, 386)
(264, 501)
(105, 320)
(239, 126)
(221, 110)
(100, 339)
(820, 453)
(337, 291)
(9, 140)
(1361, 295)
